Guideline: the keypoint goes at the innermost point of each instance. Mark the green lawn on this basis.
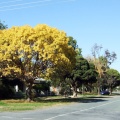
(39, 103)
(18, 106)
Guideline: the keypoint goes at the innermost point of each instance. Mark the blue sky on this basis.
(87, 21)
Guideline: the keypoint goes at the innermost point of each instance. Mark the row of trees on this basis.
(46, 52)
(92, 73)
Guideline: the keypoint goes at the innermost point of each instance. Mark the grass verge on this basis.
(39, 103)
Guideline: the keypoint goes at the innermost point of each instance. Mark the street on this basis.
(101, 108)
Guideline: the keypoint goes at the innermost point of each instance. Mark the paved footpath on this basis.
(107, 108)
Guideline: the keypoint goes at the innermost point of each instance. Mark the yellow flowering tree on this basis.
(28, 52)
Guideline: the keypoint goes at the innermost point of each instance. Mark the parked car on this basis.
(104, 92)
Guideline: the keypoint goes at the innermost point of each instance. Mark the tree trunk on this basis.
(110, 89)
(74, 92)
(82, 89)
(98, 86)
(98, 90)
(29, 93)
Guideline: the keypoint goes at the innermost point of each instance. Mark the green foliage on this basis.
(65, 90)
(82, 69)
(2, 26)
(113, 73)
(43, 86)
(92, 73)
(111, 78)
(19, 95)
(72, 42)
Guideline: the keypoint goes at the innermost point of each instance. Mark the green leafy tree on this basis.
(90, 78)
(111, 77)
(81, 72)
(81, 75)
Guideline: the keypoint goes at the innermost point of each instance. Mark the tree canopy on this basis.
(42, 51)
(111, 78)
(25, 48)
(26, 51)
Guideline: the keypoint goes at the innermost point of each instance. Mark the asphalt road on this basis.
(107, 108)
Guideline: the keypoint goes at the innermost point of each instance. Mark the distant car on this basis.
(104, 92)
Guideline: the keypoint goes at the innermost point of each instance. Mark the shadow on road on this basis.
(79, 100)
(114, 94)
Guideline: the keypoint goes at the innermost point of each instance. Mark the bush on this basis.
(19, 95)
(6, 92)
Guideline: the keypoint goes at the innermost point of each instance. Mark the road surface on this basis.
(107, 108)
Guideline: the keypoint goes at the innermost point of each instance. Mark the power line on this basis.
(23, 7)
(16, 8)
(11, 1)
(28, 3)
